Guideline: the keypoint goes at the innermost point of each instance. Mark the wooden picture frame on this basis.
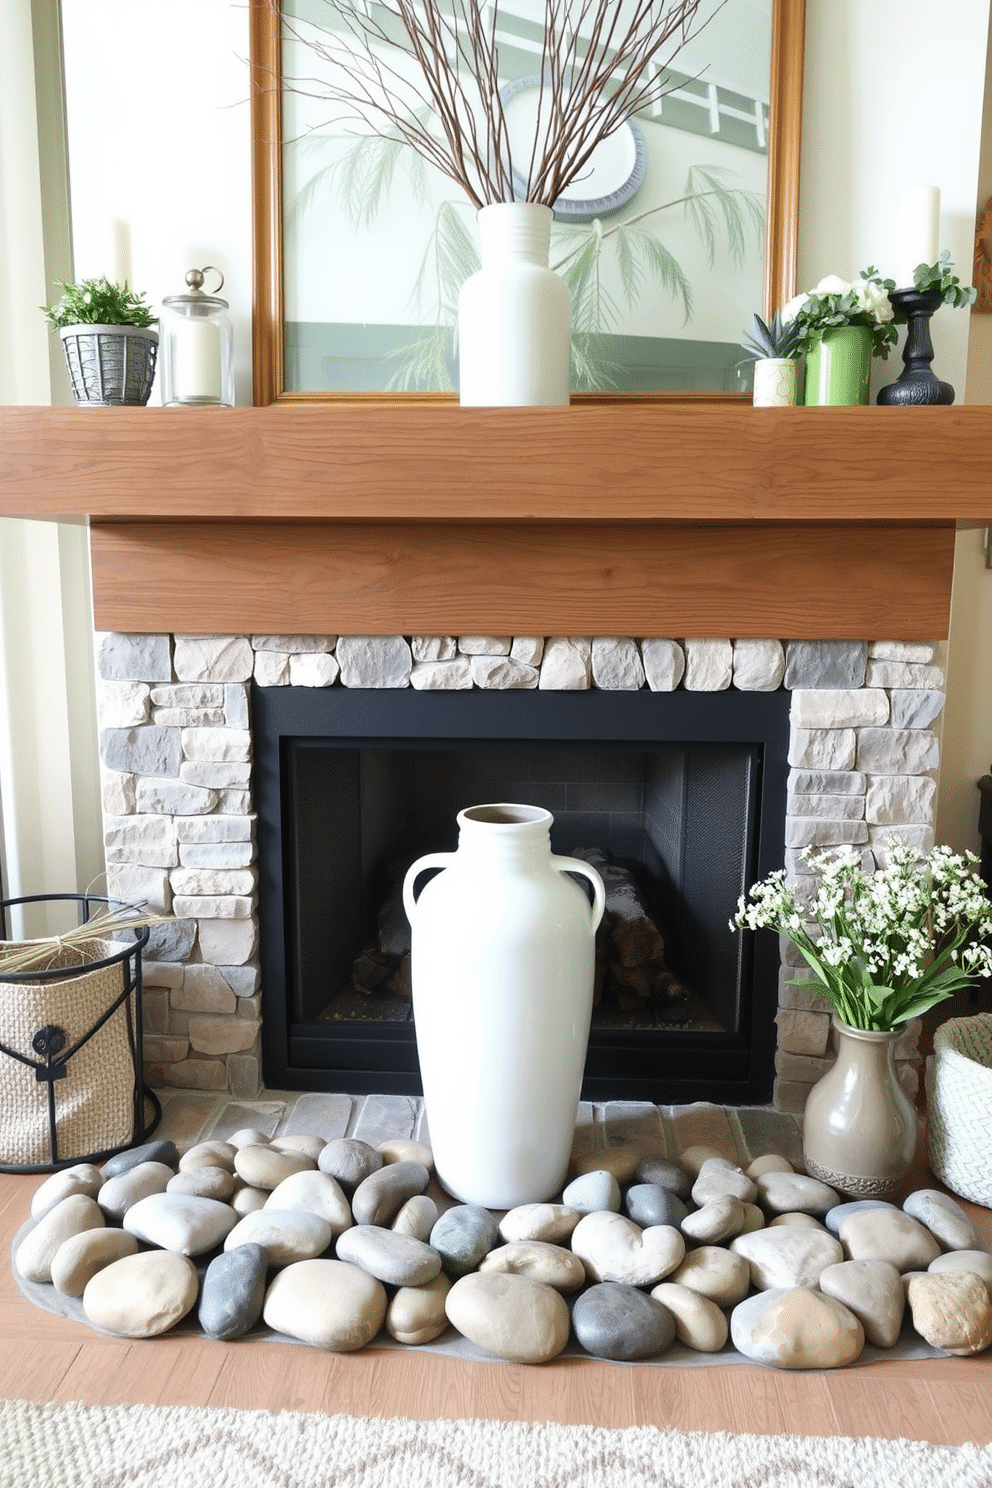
(781, 229)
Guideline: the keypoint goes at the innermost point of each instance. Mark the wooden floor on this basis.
(43, 1357)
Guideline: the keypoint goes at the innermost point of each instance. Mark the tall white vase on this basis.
(514, 315)
(502, 966)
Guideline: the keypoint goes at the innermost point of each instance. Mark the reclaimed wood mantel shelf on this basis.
(600, 519)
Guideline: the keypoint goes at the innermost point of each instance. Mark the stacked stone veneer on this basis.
(180, 826)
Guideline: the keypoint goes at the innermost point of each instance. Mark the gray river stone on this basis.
(787, 1256)
(397, 1260)
(874, 1292)
(591, 1192)
(83, 1178)
(73, 1216)
(796, 1328)
(350, 1161)
(329, 1304)
(835, 1217)
(462, 1236)
(160, 1152)
(510, 1316)
(233, 1292)
(379, 1198)
(944, 1218)
(650, 1204)
(666, 1174)
(180, 1222)
(119, 1193)
(286, 1235)
(417, 1217)
(615, 1321)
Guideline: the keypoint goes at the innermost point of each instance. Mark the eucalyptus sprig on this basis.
(941, 276)
(97, 302)
(883, 947)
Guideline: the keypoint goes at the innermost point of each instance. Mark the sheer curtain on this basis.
(50, 833)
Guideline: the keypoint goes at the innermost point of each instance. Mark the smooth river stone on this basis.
(952, 1311)
(205, 1183)
(350, 1161)
(944, 1218)
(379, 1198)
(162, 1151)
(125, 1189)
(613, 1248)
(311, 1147)
(142, 1295)
(835, 1217)
(286, 1235)
(754, 1218)
(665, 1174)
(715, 1273)
(417, 1217)
(692, 1158)
(316, 1193)
(699, 1323)
(405, 1149)
(978, 1261)
(512, 1317)
(552, 1264)
(416, 1314)
(591, 1192)
(650, 1204)
(398, 1260)
(233, 1292)
(769, 1162)
(719, 1179)
(462, 1236)
(790, 1256)
(796, 1328)
(248, 1136)
(795, 1193)
(719, 1220)
(622, 1162)
(551, 1222)
(330, 1304)
(874, 1292)
(267, 1167)
(208, 1155)
(615, 1321)
(82, 1256)
(246, 1200)
(806, 1221)
(72, 1216)
(180, 1222)
(888, 1235)
(84, 1178)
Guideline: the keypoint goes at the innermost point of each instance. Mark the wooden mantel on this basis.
(601, 519)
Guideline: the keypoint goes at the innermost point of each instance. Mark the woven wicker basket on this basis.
(959, 1103)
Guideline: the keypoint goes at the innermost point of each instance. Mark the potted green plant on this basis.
(883, 947)
(842, 324)
(110, 342)
(774, 349)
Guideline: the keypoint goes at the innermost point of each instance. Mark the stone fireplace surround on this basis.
(179, 824)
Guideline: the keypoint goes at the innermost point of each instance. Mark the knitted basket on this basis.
(959, 1103)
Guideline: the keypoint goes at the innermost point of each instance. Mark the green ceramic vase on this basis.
(838, 369)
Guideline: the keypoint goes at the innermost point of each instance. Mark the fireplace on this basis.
(686, 790)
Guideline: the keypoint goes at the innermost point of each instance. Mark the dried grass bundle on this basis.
(54, 952)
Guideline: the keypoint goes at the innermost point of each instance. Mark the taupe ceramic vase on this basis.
(859, 1132)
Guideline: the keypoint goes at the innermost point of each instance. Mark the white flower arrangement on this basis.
(841, 302)
(884, 947)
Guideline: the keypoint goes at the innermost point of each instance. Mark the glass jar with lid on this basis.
(196, 345)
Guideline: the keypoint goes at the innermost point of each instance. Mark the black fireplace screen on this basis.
(678, 798)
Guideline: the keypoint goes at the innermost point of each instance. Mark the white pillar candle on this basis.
(196, 371)
(919, 232)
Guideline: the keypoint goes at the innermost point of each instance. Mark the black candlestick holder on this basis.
(917, 384)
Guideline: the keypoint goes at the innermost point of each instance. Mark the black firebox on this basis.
(684, 791)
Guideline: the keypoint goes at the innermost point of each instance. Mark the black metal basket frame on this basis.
(49, 1042)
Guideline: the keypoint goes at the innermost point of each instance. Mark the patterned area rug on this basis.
(79, 1446)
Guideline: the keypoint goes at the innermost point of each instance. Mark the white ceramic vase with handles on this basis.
(502, 971)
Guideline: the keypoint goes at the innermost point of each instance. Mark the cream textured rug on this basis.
(143, 1446)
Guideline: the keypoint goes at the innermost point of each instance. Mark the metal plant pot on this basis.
(110, 365)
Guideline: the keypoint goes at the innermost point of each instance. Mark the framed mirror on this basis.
(684, 225)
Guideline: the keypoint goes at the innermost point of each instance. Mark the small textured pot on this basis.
(110, 365)
(860, 1127)
(838, 369)
(775, 382)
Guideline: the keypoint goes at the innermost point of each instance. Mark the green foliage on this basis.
(97, 302)
(835, 302)
(775, 340)
(941, 276)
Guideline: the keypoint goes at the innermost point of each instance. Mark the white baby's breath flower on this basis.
(791, 309)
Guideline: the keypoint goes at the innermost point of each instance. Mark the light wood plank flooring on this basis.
(44, 1357)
